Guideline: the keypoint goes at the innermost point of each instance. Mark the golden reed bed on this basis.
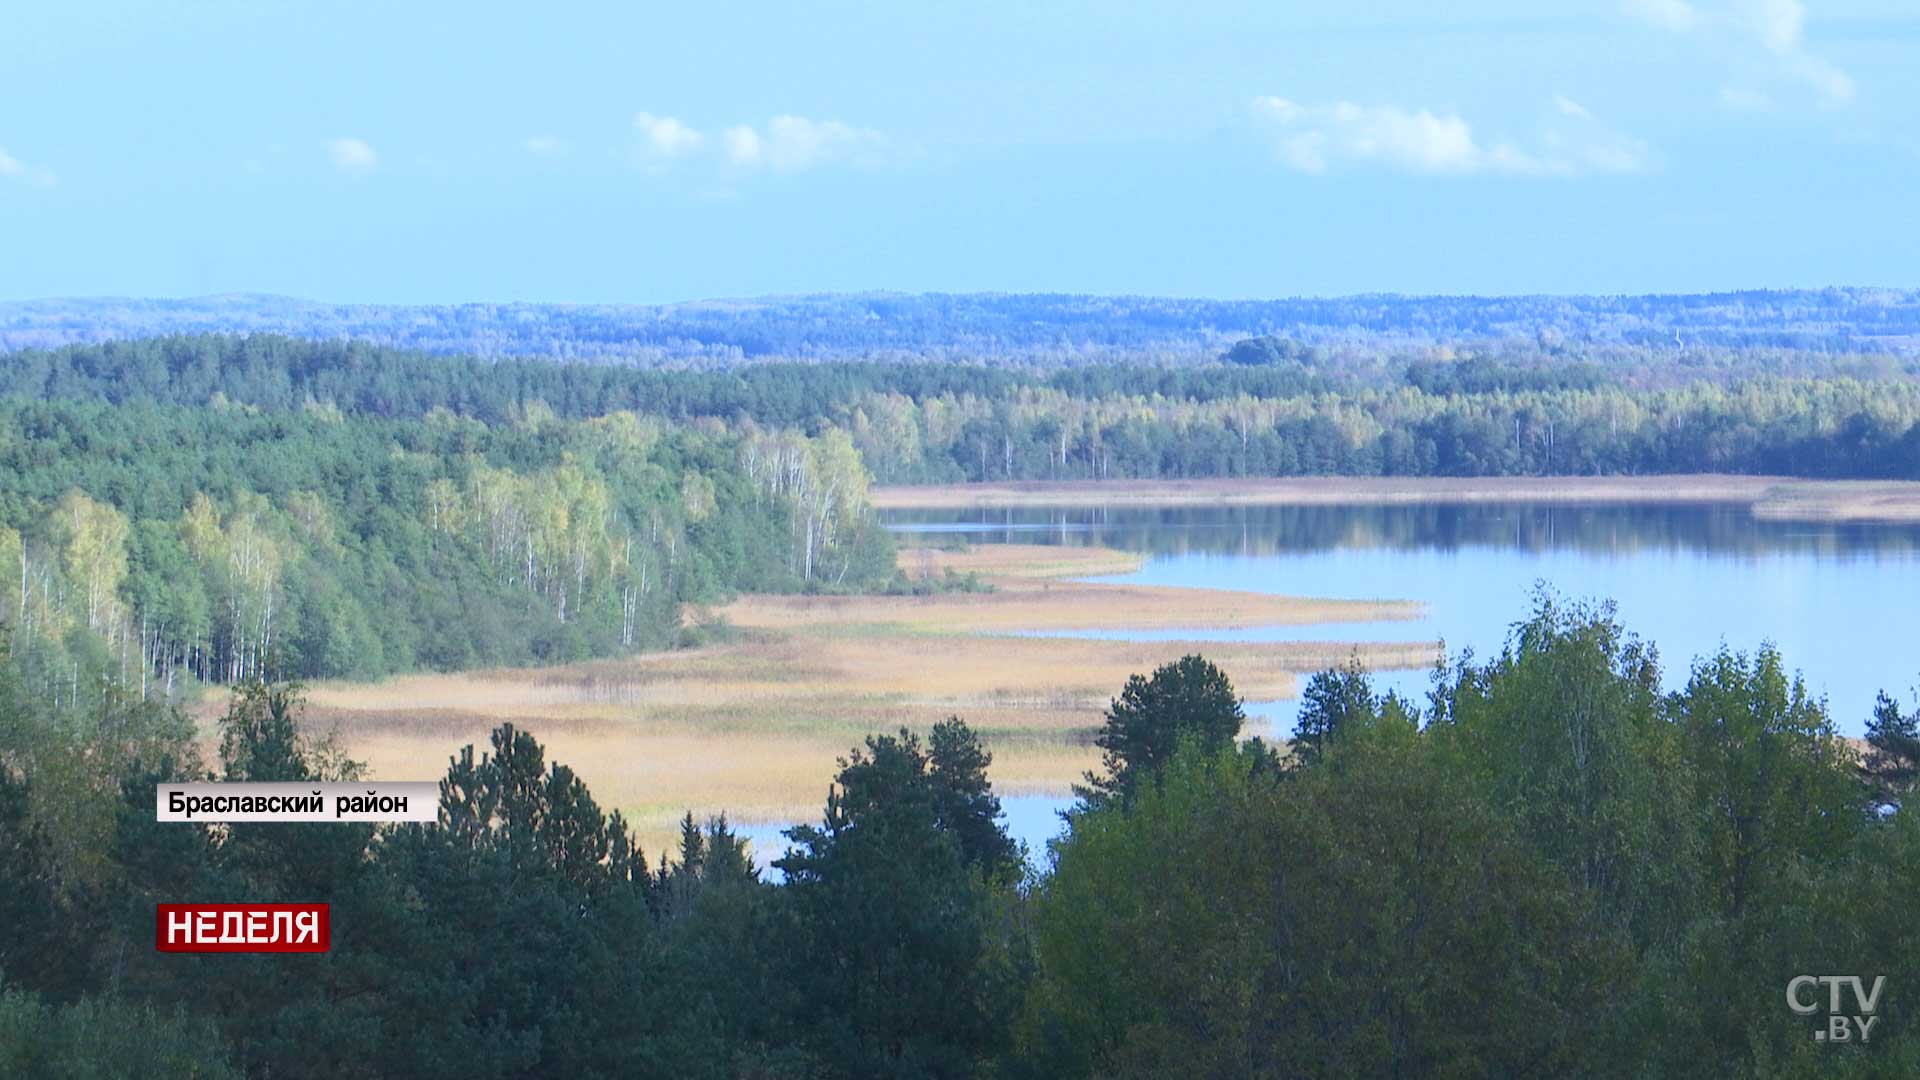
(754, 726)
(1768, 496)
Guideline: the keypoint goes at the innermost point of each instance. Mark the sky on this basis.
(428, 152)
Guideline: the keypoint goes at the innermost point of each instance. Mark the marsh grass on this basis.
(1841, 500)
(1375, 490)
(1773, 497)
(1030, 592)
(754, 725)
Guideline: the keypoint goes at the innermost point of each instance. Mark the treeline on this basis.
(1550, 868)
(1050, 329)
(1305, 413)
(164, 544)
(271, 372)
(218, 508)
(1811, 428)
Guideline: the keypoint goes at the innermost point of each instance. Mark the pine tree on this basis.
(964, 802)
(1893, 760)
(1333, 700)
(1189, 699)
(891, 949)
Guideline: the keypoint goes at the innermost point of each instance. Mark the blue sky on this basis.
(433, 152)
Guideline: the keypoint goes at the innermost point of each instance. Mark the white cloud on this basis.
(1778, 23)
(1570, 107)
(352, 156)
(783, 144)
(794, 143)
(1317, 138)
(545, 145)
(1672, 14)
(1834, 86)
(663, 137)
(743, 145)
(1781, 27)
(12, 168)
(1775, 27)
(1421, 141)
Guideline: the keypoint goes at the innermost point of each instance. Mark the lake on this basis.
(1839, 600)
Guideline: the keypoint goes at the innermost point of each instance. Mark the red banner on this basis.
(295, 928)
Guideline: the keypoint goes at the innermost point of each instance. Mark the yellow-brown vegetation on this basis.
(1888, 500)
(754, 726)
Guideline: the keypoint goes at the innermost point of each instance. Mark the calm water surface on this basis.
(1839, 600)
(1842, 602)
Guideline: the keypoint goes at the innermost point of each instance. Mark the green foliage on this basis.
(1334, 701)
(1188, 699)
(1565, 871)
(1775, 780)
(511, 806)
(1230, 924)
(35, 918)
(1893, 760)
(894, 886)
(1567, 733)
(1658, 867)
(104, 1039)
(1456, 408)
(161, 545)
(964, 803)
(1270, 350)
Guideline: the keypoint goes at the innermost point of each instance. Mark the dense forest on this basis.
(215, 508)
(169, 545)
(1268, 409)
(995, 327)
(1549, 868)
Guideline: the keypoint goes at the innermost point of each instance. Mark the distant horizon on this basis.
(1067, 326)
(717, 298)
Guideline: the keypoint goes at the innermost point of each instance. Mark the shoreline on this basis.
(1772, 497)
(753, 724)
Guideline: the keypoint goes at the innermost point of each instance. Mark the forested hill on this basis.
(216, 506)
(1517, 411)
(1048, 328)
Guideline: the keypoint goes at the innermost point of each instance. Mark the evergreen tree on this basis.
(892, 953)
(1333, 701)
(1188, 699)
(39, 947)
(1893, 757)
(964, 802)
